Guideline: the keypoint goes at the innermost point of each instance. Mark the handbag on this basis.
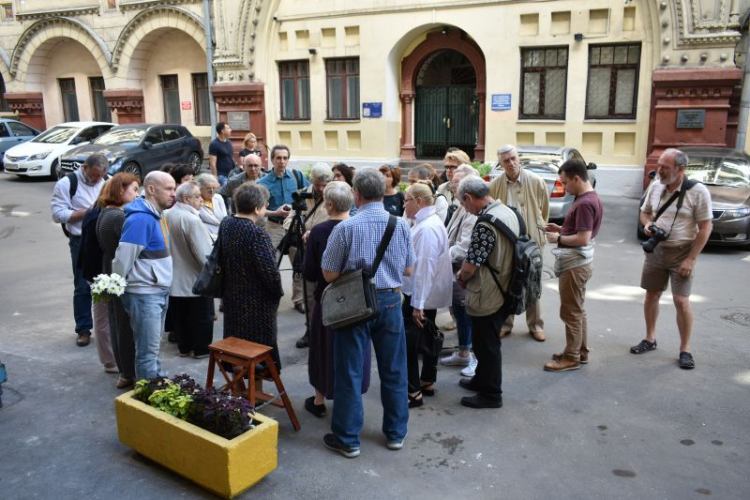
(428, 340)
(209, 281)
(352, 298)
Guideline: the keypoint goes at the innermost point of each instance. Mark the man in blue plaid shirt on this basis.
(353, 245)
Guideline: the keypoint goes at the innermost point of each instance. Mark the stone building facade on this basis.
(374, 81)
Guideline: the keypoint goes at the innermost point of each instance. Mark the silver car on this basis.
(12, 133)
(545, 161)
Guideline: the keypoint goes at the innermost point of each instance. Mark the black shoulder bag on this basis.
(210, 279)
(353, 298)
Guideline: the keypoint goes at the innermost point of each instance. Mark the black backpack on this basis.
(525, 286)
(90, 255)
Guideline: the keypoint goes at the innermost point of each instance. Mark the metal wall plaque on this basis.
(691, 118)
(239, 120)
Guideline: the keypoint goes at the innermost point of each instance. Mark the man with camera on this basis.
(307, 212)
(676, 215)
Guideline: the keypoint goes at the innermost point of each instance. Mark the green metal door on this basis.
(445, 116)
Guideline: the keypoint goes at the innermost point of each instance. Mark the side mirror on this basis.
(148, 145)
(591, 166)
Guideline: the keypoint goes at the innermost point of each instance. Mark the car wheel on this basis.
(196, 162)
(54, 170)
(132, 168)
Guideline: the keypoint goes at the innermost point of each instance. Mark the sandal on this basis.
(644, 346)
(416, 401)
(428, 390)
(686, 361)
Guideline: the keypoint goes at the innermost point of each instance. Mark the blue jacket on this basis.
(143, 256)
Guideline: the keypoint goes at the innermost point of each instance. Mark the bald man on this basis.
(143, 258)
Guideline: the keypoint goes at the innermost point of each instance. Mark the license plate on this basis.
(11, 166)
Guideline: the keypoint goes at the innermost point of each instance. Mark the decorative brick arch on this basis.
(148, 21)
(5, 67)
(452, 40)
(42, 32)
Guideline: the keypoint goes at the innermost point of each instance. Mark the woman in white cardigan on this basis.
(429, 288)
(213, 209)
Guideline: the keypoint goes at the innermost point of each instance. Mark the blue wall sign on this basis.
(372, 109)
(500, 102)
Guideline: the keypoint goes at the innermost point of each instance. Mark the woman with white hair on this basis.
(428, 288)
(337, 198)
(213, 209)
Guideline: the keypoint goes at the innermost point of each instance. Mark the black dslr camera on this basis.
(659, 235)
(298, 201)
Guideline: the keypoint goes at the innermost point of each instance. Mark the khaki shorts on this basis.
(662, 266)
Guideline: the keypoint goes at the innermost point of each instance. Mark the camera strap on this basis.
(687, 184)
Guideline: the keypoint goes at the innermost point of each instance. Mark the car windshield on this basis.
(540, 162)
(121, 137)
(731, 171)
(56, 135)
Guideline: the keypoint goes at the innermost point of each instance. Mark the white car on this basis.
(41, 155)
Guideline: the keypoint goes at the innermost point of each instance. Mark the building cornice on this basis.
(142, 4)
(68, 12)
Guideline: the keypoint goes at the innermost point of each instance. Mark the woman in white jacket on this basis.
(213, 209)
(429, 288)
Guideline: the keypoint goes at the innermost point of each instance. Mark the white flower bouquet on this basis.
(106, 286)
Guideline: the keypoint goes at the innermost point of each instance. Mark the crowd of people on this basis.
(449, 249)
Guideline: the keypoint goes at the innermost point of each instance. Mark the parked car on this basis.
(726, 174)
(12, 133)
(41, 155)
(545, 161)
(140, 149)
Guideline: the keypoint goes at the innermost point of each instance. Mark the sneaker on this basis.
(456, 359)
(330, 441)
(470, 370)
(396, 444)
(562, 365)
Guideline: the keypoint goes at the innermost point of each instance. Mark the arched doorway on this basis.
(445, 104)
(451, 60)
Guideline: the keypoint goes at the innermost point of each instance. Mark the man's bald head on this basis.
(159, 188)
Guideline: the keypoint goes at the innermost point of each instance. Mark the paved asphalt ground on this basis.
(621, 427)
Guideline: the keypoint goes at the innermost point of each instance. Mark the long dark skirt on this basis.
(320, 364)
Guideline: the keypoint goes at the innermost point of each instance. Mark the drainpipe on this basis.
(210, 63)
(745, 99)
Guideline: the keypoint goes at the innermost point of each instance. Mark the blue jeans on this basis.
(350, 345)
(463, 325)
(81, 291)
(147, 312)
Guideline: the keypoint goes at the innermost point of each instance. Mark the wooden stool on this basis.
(243, 356)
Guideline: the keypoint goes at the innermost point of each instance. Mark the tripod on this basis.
(293, 238)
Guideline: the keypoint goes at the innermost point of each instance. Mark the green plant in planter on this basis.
(173, 401)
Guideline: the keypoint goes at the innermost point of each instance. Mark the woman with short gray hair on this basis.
(213, 209)
(337, 198)
(321, 172)
(251, 289)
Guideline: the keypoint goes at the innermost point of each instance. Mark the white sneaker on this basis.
(469, 370)
(456, 360)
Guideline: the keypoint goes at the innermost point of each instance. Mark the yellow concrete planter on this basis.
(226, 467)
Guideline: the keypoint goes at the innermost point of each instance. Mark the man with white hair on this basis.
(144, 260)
(527, 192)
(312, 198)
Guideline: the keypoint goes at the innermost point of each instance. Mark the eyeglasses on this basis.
(450, 167)
(407, 200)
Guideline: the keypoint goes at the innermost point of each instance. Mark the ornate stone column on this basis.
(29, 106)
(408, 150)
(242, 105)
(479, 150)
(127, 103)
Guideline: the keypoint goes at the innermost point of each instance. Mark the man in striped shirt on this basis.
(353, 245)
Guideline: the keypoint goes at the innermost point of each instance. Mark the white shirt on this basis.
(430, 286)
(63, 207)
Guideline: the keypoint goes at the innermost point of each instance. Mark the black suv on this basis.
(140, 149)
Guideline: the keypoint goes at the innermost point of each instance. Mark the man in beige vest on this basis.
(490, 253)
(527, 192)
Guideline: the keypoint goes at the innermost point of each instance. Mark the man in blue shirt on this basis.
(281, 183)
(220, 153)
(353, 245)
